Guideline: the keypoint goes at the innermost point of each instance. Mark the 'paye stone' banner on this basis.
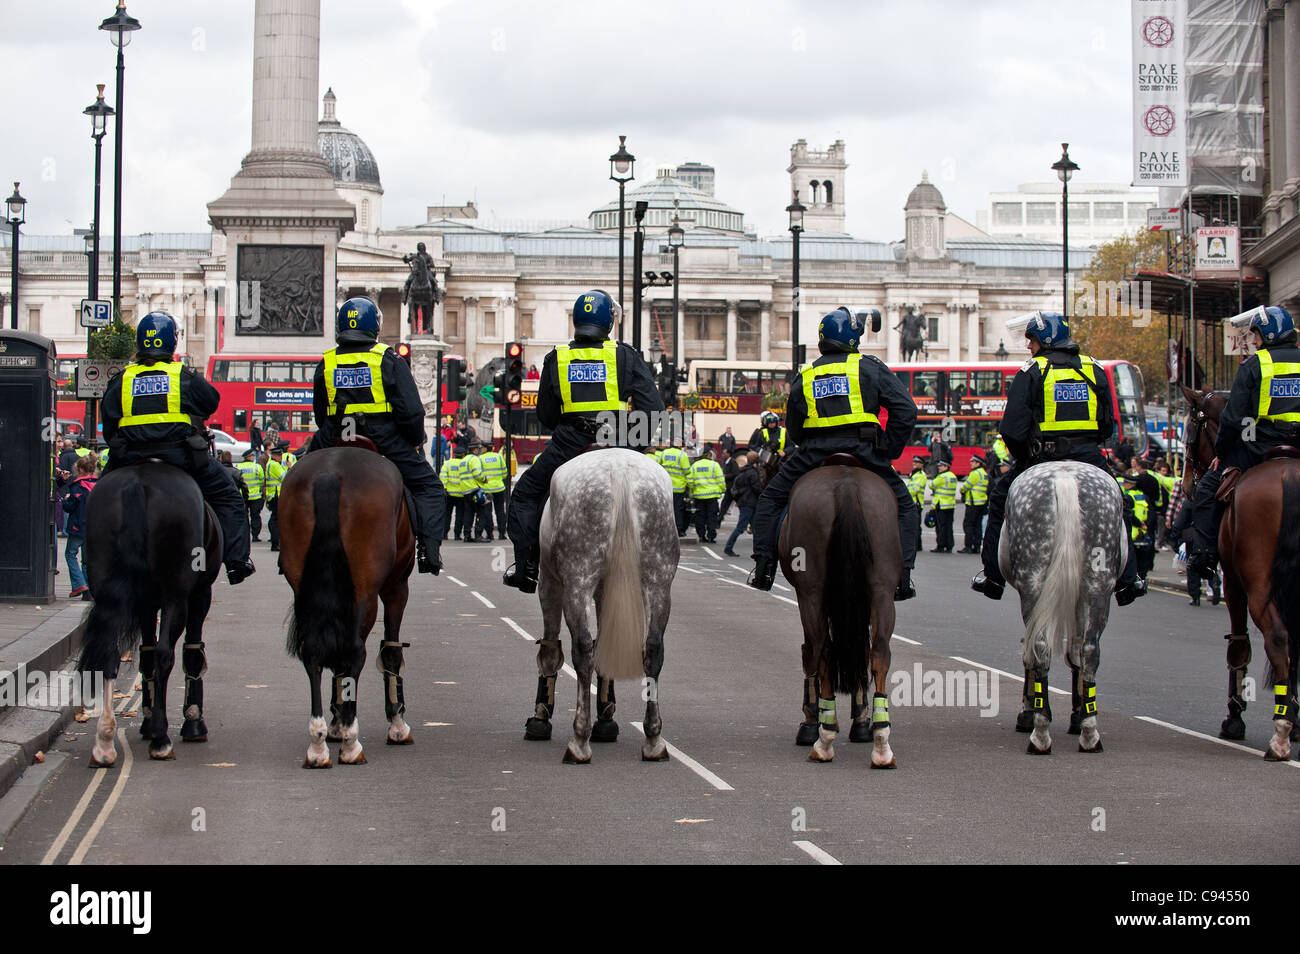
(1159, 93)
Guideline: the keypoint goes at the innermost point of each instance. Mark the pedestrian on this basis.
(707, 486)
(944, 487)
(916, 484)
(74, 504)
(729, 470)
(674, 460)
(255, 483)
(271, 436)
(1136, 516)
(728, 441)
(533, 373)
(63, 474)
(1154, 494)
(255, 438)
(975, 495)
(745, 489)
(480, 522)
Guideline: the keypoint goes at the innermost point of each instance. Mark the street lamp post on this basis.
(16, 213)
(676, 239)
(621, 166)
(638, 250)
(1065, 167)
(119, 26)
(1001, 354)
(98, 111)
(796, 210)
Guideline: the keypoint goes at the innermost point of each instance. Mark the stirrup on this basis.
(983, 583)
(522, 575)
(1127, 593)
(237, 573)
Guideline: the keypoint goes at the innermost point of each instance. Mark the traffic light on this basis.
(404, 352)
(514, 375)
(456, 383)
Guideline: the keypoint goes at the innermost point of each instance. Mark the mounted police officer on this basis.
(1263, 412)
(769, 434)
(155, 408)
(363, 387)
(1058, 408)
(579, 380)
(834, 408)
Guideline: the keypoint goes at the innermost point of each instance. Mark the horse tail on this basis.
(847, 601)
(1286, 564)
(1054, 612)
(621, 627)
(324, 614)
(113, 623)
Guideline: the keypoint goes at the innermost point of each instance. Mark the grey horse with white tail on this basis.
(608, 540)
(1062, 549)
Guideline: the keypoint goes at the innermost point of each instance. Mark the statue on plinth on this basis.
(421, 291)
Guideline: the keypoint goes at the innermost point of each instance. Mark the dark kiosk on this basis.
(27, 422)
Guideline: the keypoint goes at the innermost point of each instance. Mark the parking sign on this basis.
(95, 314)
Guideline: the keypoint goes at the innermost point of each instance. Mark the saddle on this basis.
(842, 460)
(1283, 452)
(1228, 486)
(359, 442)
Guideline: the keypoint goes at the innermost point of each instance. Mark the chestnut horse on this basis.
(1259, 546)
(345, 544)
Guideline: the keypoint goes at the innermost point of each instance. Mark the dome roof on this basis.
(925, 196)
(668, 196)
(350, 160)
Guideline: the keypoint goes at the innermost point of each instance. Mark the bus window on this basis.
(986, 384)
(301, 371)
(905, 379)
(711, 381)
(220, 370)
(277, 371)
(925, 383)
(241, 419)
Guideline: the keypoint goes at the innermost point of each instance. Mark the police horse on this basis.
(153, 547)
(1259, 545)
(840, 550)
(1063, 546)
(346, 543)
(609, 539)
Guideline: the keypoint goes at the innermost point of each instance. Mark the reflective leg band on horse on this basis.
(394, 697)
(1037, 686)
(1283, 705)
(880, 711)
(194, 661)
(826, 712)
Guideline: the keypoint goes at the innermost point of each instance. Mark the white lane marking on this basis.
(691, 764)
(781, 586)
(821, 856)
(453, 579)
(75, 818)
(124, 773)
(740, 568)
(711, 553)
(904, 639)
(484, 600)
(1003, 672)
(682, 566)
(1209, 738)
(785, 599)
(566, 668)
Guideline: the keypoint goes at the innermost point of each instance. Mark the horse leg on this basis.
(194, 663)
(104, 752)
(148, 624)
(1276, 646)
(861, 730)
(335, 731)
(654, 748)
(550, 655)
(170, 629)
(391, 664)
(605, 729)
(1238, 657)
(1083, 691)
(882, 628)
(1037, 660)
(823, 749)
(348, 681)
(814, 638)
(578, 750)
(318, 754)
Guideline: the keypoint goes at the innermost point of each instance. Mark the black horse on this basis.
(152, 546)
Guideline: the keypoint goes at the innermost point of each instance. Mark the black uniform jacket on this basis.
(1025, 410)
(1243, 404)
(406, 422)
(199, 399)
(635, 384)
(880, 389)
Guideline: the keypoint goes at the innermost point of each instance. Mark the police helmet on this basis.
(594, 314)
(359, 315)
(156, 334)
(943, 462)
(247, 454)
(769, 418)
(840, 331)
(930, 519)
(1049, 328)
(977, 459)
(1274, 325)
(917, 463)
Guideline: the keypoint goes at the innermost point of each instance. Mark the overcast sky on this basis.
(519, 104)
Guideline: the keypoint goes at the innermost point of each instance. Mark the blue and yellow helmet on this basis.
(156, 334)
(359, 314)
(841, 330)
(1274, 325)
(1049, 328)
(594, 311)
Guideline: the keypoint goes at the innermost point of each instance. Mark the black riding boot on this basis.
(522, 575)
(428, 555)
(764, 573)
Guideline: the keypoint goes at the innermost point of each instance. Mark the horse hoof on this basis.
(537, 730)
(196, 731)
(656, 752)
(1271, 756)
(194, 738)
(807, 734)
(815, 756)
(334, 733)
(861, 732)
(891, 764)
(1025, 722)
(571, 759)
(164, 754)
(1234, 729)
(309, 764)
(98, 764)
(409, 740)
(1035, 750)
(359, 760)
(1095, 748)
(605, 730)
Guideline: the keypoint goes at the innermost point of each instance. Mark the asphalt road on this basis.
(736, 790)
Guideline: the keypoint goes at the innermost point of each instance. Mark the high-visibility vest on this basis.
(1279, 388)
(944, 487)
(151, 394)
(675, 461)
(254, 478)
(706, 480)
(456, 478)
(82, 451)
(1140, 512)
(1167, 483)
(1069, 397)
(588, 378)
(976, 486)
(289, 460)
(354, 382)
(916, 484)
(275, 472)
(833, 394)
(1001, 451)
(654, 454)
(494, 472)
(472, 472)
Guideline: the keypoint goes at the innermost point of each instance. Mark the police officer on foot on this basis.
(1058, 408)
(833, 408)
(1265, 400)
(255, 482)
(362, 387)
(579, 380)
(150, 409)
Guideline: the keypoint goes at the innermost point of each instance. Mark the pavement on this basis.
(736, 790)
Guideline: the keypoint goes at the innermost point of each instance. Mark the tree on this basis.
(1107, 315)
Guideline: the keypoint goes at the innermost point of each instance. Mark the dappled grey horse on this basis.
(1062, 548)
(608, 541)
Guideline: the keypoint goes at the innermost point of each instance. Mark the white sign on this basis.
(1217, 251)
(95, 314)
(1237, 340)
(1164, 220)
(93, 375)
(1159, 93)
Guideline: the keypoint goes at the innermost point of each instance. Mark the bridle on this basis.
(1199, 425)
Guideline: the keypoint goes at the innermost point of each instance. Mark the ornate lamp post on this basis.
(796, 210)
(621, 166)
(16, 213)
(1065, 167)
(1001, 354)
(119, 27)
(98, 111)
(676, 239)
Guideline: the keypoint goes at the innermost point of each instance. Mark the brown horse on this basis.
(345, 544)
(840, 550)
(1259, 546)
